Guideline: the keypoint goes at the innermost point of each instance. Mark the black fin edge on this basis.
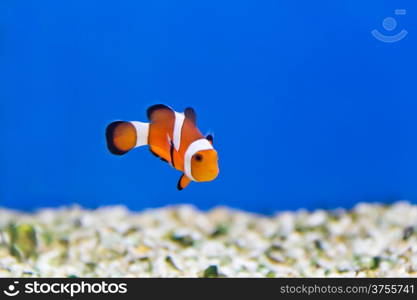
(161, 158)
(210, 138)
(171, 154)
(154, 108)
(179, 187)
(109, 138)
(190, 114)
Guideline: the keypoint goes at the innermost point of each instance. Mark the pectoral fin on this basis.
(171, 153)
(183, 182)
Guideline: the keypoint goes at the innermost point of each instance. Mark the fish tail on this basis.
(123, 136)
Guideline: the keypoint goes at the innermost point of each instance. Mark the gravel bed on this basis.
(370, 240)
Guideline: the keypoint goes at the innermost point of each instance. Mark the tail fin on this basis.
(123, 136)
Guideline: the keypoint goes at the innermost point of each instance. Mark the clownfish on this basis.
(171, 136)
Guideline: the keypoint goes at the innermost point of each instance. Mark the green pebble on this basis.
(211, 272)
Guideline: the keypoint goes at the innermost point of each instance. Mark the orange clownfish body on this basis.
(171, 136)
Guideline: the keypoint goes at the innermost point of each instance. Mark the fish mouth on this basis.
(209, 175)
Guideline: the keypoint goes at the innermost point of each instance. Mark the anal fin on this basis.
(155, 154)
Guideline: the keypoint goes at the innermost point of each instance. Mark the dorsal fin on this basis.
(152, 109)
(210, 138)
(190, 114)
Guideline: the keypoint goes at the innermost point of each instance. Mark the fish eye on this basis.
(198, 157)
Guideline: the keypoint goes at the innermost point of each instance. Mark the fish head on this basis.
(204, 165)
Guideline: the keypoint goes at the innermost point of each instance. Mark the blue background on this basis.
(307, 108)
